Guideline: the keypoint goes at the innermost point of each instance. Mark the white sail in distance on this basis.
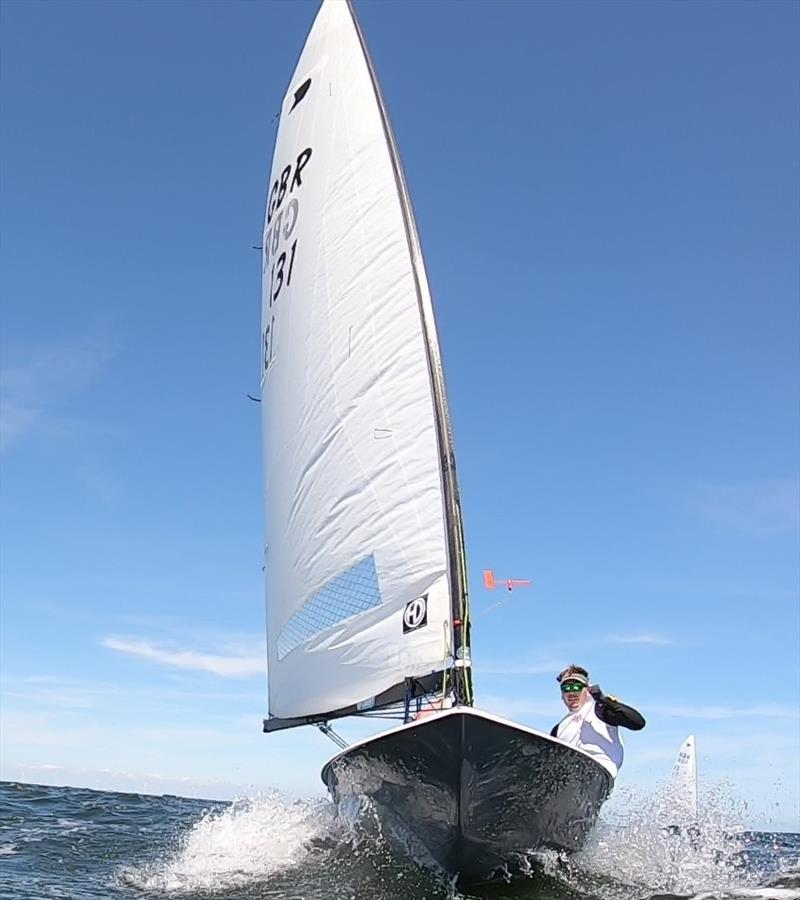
(683, 783)
(363, 531)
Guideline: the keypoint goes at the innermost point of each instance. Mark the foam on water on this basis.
(636, 852)
(292, 848)
(248, 841)
(760, 893)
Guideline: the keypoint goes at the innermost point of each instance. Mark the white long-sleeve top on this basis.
(585, 730)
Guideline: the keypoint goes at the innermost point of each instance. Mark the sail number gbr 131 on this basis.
(280, 249)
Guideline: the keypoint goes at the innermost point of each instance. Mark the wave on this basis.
(636, 853)
(248, 841)
(85, 844)
(282, 847)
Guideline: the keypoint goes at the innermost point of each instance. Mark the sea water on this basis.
(76, 844)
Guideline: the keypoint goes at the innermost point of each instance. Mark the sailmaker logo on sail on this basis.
(415, 614)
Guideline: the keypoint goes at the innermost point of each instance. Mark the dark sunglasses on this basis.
(572, 687)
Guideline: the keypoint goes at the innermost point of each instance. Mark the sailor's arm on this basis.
(612, 712)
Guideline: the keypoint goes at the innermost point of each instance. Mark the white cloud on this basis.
(550, 666)
(16, 420)
(644, 637)
(755, 508)
(73, 729)
(65, 692)
(42, 691)
(223, 749)
(237, 665)
(522, 668)
(762, 711)
(514, 708)
(718, 588)
(153, 783)
(36, 383)
(522, 708)
(43, 773)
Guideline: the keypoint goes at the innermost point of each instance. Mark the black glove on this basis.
(599, 697)
(612, 712)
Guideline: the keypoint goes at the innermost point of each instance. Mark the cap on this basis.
(570, 675)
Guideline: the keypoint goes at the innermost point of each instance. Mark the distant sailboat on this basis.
(367, 608)
(682, 792)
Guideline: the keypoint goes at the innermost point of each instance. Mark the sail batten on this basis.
(364, 567)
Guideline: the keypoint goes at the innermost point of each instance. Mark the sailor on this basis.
(593, 721)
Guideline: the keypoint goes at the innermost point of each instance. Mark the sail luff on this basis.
(457, 573)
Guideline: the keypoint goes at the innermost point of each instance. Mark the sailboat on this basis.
(366, 581)
(683, 783)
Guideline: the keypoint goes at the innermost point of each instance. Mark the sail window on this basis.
(350, 592)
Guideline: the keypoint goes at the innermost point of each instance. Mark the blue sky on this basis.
(607, 195)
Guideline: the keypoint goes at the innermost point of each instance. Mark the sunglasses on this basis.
(572, 687)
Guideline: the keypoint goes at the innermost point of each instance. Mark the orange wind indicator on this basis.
(490, 582)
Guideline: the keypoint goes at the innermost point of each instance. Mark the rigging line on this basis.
(337, 739)
(466, 623)
(396, 718)
(444, 661)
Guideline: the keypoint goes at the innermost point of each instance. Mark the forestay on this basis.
(363, 530)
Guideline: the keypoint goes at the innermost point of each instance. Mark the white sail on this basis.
(683, 784)
(358, 557)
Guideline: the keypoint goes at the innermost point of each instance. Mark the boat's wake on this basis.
(273, 846)
(250, 840)
(640, 852)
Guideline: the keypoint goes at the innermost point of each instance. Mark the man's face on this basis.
(573, 693)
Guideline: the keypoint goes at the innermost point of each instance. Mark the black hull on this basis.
(477, 791)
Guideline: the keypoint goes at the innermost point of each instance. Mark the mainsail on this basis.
(683, 784)
(365, 578)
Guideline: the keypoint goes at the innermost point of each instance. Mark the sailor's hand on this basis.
(599, 697)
